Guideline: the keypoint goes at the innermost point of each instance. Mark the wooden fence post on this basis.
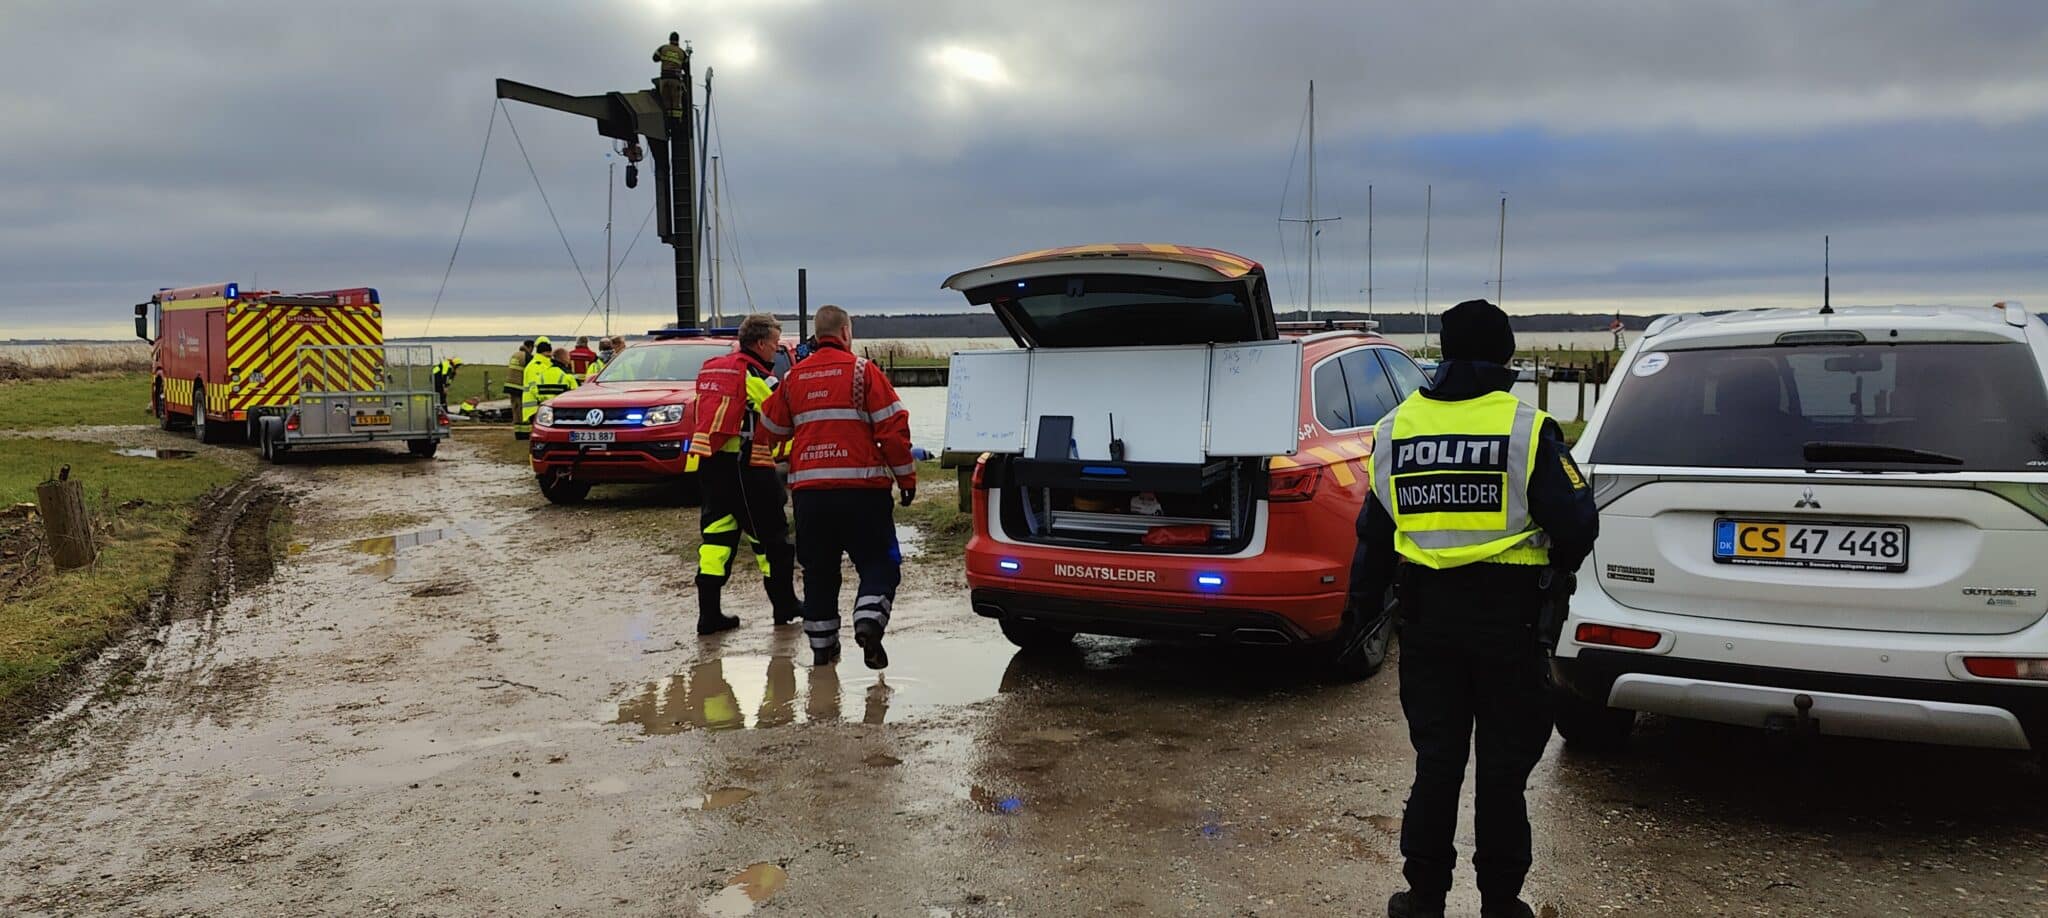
(67, 525)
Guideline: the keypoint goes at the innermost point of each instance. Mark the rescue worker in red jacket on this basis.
(852, 441)
(736, 475)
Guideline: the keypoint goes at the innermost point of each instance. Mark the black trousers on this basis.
(743, 500)
(859, 523)
(1471, 665)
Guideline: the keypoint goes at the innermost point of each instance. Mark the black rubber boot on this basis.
(825, 656)
(1512, 909)
(711, 618)
(868, 635)
(1404, 904)
(782, 595)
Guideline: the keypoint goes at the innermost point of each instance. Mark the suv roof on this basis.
(2003, 322)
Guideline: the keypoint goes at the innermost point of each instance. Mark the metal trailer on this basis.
(333, 408)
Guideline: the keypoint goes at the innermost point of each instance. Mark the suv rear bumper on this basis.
(1993, 715)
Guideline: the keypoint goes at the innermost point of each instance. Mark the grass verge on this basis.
(936, 513)
(142, 508)
(93, 398)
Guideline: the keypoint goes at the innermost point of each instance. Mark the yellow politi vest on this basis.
(1454, 475)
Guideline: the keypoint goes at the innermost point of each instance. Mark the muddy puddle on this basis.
(390, 549)
(759, 692)
(909, 541)
(751, 887)
(152, 452)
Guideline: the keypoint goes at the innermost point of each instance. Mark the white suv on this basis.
(1834, 522)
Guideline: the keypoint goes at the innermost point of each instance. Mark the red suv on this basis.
(1163, 459)
(629, 424)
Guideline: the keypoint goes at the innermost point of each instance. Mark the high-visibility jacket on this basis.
(544, 380)
(596, 367)
(515, 369)
(844, 421)
(1454, 476)
(670, 57)
(730, 392)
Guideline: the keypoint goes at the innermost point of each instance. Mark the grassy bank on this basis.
(142, 508)
(92, 398)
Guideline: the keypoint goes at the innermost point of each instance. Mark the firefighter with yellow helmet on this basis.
(545, 379)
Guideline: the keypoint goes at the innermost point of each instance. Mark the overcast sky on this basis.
(1656, 155)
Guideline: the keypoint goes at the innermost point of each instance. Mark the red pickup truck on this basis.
(630, 423)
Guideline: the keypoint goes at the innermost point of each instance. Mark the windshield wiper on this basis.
(1836, 451)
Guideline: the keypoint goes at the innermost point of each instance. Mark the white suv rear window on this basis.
(1920, 407)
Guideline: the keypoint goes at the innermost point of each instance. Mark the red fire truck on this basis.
(231, 359)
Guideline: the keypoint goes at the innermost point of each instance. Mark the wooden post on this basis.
(1582, 393)
(67, 525)
(1542, 390)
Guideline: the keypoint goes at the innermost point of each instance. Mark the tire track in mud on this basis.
(228, 552)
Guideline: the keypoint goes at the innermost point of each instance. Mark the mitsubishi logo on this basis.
(1806, 500)
(596, 416)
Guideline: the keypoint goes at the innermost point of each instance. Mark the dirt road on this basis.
(454, 699)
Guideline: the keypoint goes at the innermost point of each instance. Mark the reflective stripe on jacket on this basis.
(544, 380)
(670, 57)
(1454, 476)
(847, 428)
(730, 392)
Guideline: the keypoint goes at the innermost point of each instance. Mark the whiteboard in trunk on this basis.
(1177, 404)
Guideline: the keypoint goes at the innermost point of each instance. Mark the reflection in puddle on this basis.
(909, 541)
(760, 692)
(723, 797)
(751, 887)
(150, 452)
(989, 801)
(390, 549)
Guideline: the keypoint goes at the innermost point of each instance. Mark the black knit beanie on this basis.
(1477, 330)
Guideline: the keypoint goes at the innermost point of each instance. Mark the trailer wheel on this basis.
(563, 490)
(201, 430)
(424, 449)
(270, 437)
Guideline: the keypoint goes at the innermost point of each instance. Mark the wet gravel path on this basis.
(454, 699)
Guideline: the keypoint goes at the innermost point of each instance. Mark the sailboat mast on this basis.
(609, 168)
(1428, 209)
(717, 265)
(1500, 258)
(1310, 226)
(1368, 252)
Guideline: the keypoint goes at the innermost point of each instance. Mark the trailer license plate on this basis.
(592, 436)
(370, 420)
(1829, 546)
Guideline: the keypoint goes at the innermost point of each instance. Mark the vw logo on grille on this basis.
(594, 417)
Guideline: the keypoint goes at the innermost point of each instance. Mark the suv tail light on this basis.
(2007, 668)
(980, 469)
(1296, 484)
(1617, 636)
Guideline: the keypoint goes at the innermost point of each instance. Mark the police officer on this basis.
(1477, 519)
(545, 379)
(851, 439)
(742, 495)
(671, 57)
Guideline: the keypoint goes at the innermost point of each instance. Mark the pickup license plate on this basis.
(592, 436)
(1829, 546)
(370, 420)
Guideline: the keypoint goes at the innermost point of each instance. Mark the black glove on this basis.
(909, 494)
